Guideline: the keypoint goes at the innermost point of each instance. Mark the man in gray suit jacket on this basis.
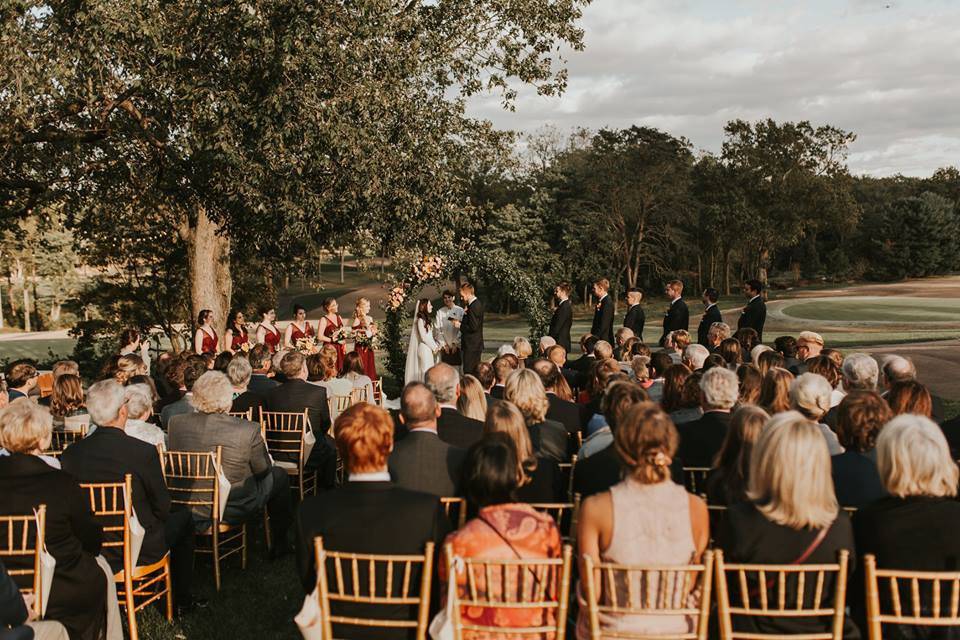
(254, 481)
(422, 461)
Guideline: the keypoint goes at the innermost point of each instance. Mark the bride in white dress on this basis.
(423, 349)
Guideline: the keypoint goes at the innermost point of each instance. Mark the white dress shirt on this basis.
(444, 331)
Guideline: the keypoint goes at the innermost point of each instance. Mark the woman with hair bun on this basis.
(205, 340)
(645, 519)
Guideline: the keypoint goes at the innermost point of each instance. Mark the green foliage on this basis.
(915, 237)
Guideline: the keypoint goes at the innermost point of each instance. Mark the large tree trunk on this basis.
(208, 255)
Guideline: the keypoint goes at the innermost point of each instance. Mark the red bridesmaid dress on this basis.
(296, 333)
(239, 339)
(209, 344)
(271, 337)
(367, 355)
(328, 332)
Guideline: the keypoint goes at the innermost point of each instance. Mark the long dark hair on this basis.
(232, 323)
(422, 312)
(491, 471)
(352, 363)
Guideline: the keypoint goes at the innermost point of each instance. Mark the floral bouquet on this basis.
(307, 345)
(245, 347)
(343, 335)
(364, 339)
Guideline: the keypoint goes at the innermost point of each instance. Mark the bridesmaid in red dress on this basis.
(205, 340)
(298, 328)
(267, 331)
(236, 334)
(329, 325)
(362, 322)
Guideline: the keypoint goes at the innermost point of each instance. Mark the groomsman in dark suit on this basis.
(562, 318)
(711, 314)
(471, 328)
(677, 316)
(603, 315)
(754, 315)
(635, 317)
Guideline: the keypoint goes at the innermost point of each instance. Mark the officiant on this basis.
(446, 329)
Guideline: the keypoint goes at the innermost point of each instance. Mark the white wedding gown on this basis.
(421, 354)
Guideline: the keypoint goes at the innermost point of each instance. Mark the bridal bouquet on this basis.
(307, 345)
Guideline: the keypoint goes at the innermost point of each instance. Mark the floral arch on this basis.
(420, 270)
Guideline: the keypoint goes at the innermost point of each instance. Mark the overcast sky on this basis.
(887, 70)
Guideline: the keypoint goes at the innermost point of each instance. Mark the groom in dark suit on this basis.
(677, 316)
(471, 328)
(754, 315)
(562, 318)
(711, 314)
(603, 315)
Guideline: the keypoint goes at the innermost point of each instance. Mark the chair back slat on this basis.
(378, 391)
(781, 591)
(566, 471)
(358, 395)
(110, 503)
(243, 415)
(695, 480)
(563, 513)
(932, 598)
(456, 510)
(192, 481)
(513, 585)
(60, 440)
(21, 541)
(374, 580)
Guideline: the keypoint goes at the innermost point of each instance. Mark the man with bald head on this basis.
(422, 461)
(452, 427)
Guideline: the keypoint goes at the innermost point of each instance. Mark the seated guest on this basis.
(860, 417)
(640, 365)
(910, 396)
(676, 343)
(714, 360)
(582, 365)
(569, 414)
(645, 519)
(368, 514)
(597, 468)
(809, 345)
(18, 620)
(503, 529)
(750, 379)
(731, 352)
(775, 391)
(139, 399)
(172, 381)
(486, 376)
(791, 517)
(523, 349)
(452, 427)
(194, 367)
(603, 372)
(222, 361)
(66, 403)
(810, 395)
(728, 479)
(503, 366)
(322, 372)
(545, 343)
(60, 368)
(422, 461)
(915, 527)
(769, 359)
(21, 377)
(688, 409)
(659, 362)
(352, 370)
(540, 477)
(758, 350)
(239, 373)
(78, 597)
(472, 402)
(824, 366)
(549, 437)
(673, 380)
(620, 338)
(260, 380)
(787, 347)
(130, 365)
(254, 481)
(748, 339)
(107, 455)
(717, 333)
(860, 371)
(558, 356)
(701, 439)
(624, 354)
(694, 356)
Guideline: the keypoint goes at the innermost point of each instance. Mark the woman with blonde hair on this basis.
(791, 515)
(646, 519)
(775, 391)
(641, 371)
(541, 480)
(523, 350)
(128, 366)
(366, 329)
(472, 401)
(525, 389)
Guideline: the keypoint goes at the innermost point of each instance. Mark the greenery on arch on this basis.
(418, 270)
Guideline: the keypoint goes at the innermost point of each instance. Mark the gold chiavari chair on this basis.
(565, 514)
(378, 391)
(138, 586)
(917, 598)
(695, 480)
(716, 513)
(45, 383)
(516, 585)
(21, 538)
(60, 440)
(785, 591)
(616, 590)
(367, 579)
(566, 468)
(358, 395)
(337, 405)
(243, 415)
(458, 508)
(284, 433)
(192, 481)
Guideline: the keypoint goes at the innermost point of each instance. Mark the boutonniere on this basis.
(599, 304)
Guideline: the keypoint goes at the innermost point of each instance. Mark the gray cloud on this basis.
(890, 75)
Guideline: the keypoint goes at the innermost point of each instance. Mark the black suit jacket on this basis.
(73, 538)
(457, 429)
(424, 462)
(603, 320)
(549, 439)
(951, 430)
(471, 335)
(634, 320)
(676, 318)
(13, 611)
(368, 517)
(560, 324)
(701, 439)
(569, 414)
(497, 392)
(754, 316)
(248, 400)
(856, 480)
(106, 455)
(297, 395)
(710, 316)
(597, 473)
(260, 383)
